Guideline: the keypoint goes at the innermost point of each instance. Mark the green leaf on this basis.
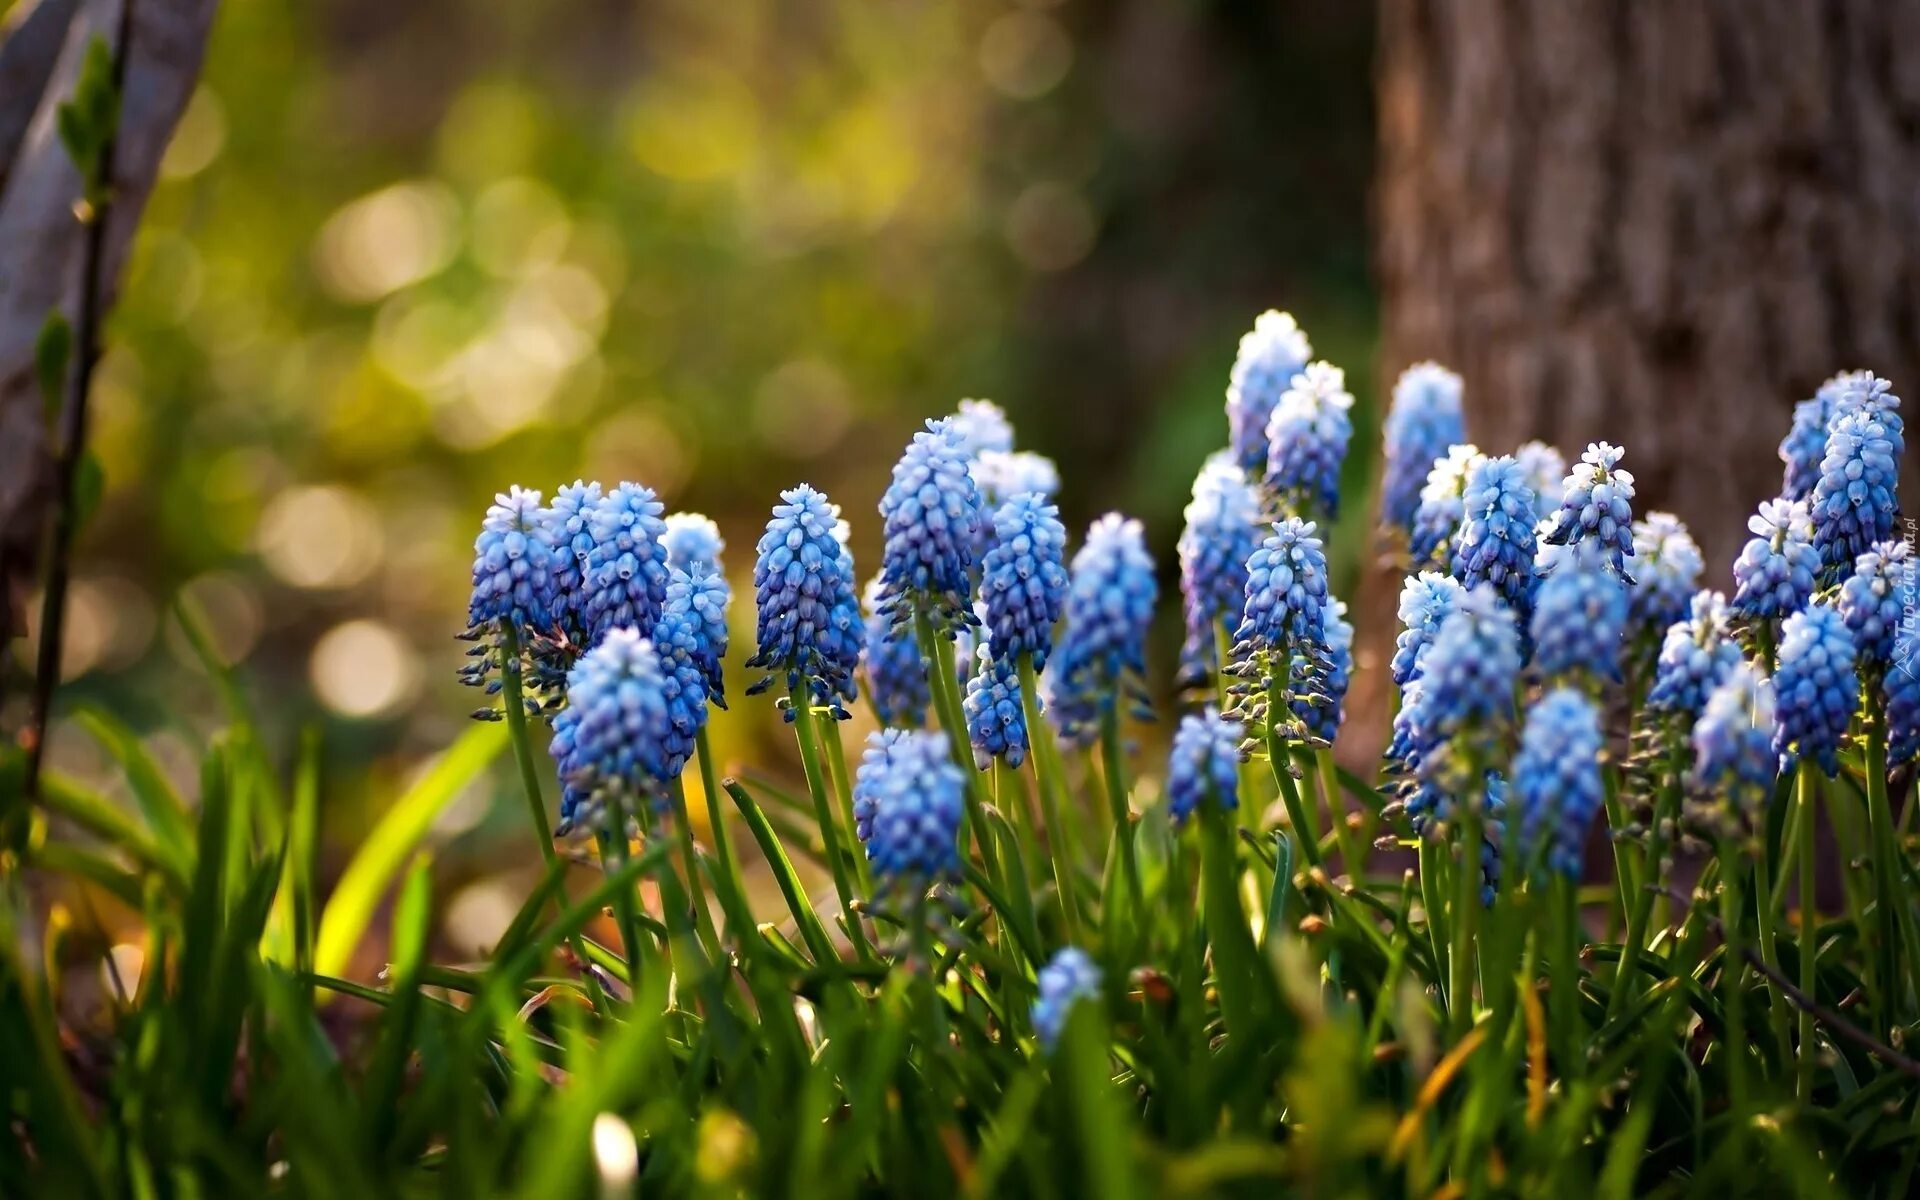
(160, 803)
(51, 350)
(89, 485)
(795, 893)
(87, 121)
(380, 857)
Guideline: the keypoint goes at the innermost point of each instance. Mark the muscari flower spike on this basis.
(569, 527)
(897, 682)
(1426, 600)
(1023, 582)
(1466, 684)
(1442, 504)
(912, 795)
(1545, 469)
(933, 518)
(1556, 779)
(1424, 420)
(1282, 618)
(996, 722)
(1667, 567)
(1069, 978)
(1816, 687)
(1806, 442)
(1222, 531)
(1854, 501)
(692, 540)
(1110, 598)
(1001, 475)
(1695, 656)
(1494, 544)
(1775, 573)
(513, 565)
(1597, 506)
(1734, 761)
(1874, 599)
(1204, 764)
(1901, 687)
(1579, 624)
(809, 620)
(698, 596)
(1271, 354)
(1307, 437)
(626, 568)
(981, 426)
(631, 716)
(1320, 703)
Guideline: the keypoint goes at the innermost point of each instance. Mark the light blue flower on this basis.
(981, 426)
(692, 540)
(1320, 703)
(1545, 470)
(1874, 599)
(913, 796)
(1854, 502)
(1442, 505)
(809, 619)
(626, 569)
(1579, 624)
(1204, 764)
(629, 724)
(1307, 437)
(1556, 779)
(898, 685)
(1426, 600)
(569, 528)
(1023, 582)
(1494, 544)
(1467, 678)
(996, 723)
(1001, 475)
(1068, 979)
(699, 596)
(1110, 600)
(1695, 656)
(1222, 531)
(1733, 754)
(1816, 685)
(1902, 688)
(1598, 507)
(513, 564)
(1425, 419)
(1775, 572)
(1271, 354)
(933, 519)
(1666, 572)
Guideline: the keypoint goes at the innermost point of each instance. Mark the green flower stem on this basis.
(1249, 811)
(1237, 964)
(516, 705)
(1050, 778)
(1779, 1014)
(1304, 827)
(1465, 917)
(1115, 771)
(843, 792)
(733, 892)
(946, 703)
(1666, 810)
(1433, 886)
(613, 854)
(690, 861)
(1563, 915)
(1805, 785)
(1892, 905)
(1623, 872)
(806, 731)
(1732, 976)
(1352, 849)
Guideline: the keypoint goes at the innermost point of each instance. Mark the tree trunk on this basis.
(40, 239)
(1658, 224)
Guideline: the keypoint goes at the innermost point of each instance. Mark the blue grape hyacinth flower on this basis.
(1426, 600)
(1854, 502)
(1307, 437)
(626, 569)
(1023, 579)
(1204, 763)
(1545, 470)
(1110, 598)
(1320, 703)
(1667, 569)
(981, 426)
(1776, 570)
(1883, 589)
(1556, 780)
(1466, 689)
(1442, 505)
(1271, 354)
(1222, 531)
(1282, 621)
(1805, 445)
(898, 685)
(1816, 687)
(1495, 544)
(699, 595)
(1579, 624)
(1001, 475)
(1901, 687)
(809, 626)
(1597, 507)
(569, 527)
(1734, 761)
(692, 540)
(996, 722)
(513, 564)
(629, 724)
(1695, 656)
(1069, 978)
(933, 520)
(1425, 419)
(913, 796)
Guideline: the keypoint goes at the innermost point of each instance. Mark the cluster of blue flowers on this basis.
(1425, 419)
(809, 621)
(1816, 686)
(1426, 600)
(909, 797)
(1695, 656)
(1853, 500)
(513, 564)
(1876, 597)
(898, 686)
(1734, 756)
(1023, 581)
(996, 723)
(1495, 541)
(1579, 623)
(1775, 573)
(1222, 531)
(1902, 687)
(1596, 507)
(1307, 438)
(1442, 505)
(1069, 978)
(629, 724)
(1271, 354)
(1556, 780)
(1110, 599)
(1667, 570)
(1204, 764)
(932, 516)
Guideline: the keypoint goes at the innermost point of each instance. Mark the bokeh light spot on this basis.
(320, 537)
(802, 408)
(386, 240)
(198, 138)
(363, 669)
(1050, 227)
(1025, 54)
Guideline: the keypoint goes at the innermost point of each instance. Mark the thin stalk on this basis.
(1353, 852)
(690, 861)
(1465, 916)
(1050, 778)
(613, 853)
(733, 895)
(1805, 786)
(1666, 811)
(1779, 1015)
(1236, 959)
(1248, 813)
(1114, 769)
(1732, 976)
(946, 703)
(843, 792)
(1890, 898)
(1564, 960)
(1303, 824)
(1433, 886)
(1623, 866)
(805, 731)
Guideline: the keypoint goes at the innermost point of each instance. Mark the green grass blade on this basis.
(160, 803)
(795, 893)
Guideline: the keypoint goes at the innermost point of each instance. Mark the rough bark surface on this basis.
(1656, 223)
(40, 241)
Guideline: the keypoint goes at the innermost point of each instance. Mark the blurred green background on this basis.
(404, 255)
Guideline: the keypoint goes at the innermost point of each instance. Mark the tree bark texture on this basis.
(1655, 223)
(41, 240)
